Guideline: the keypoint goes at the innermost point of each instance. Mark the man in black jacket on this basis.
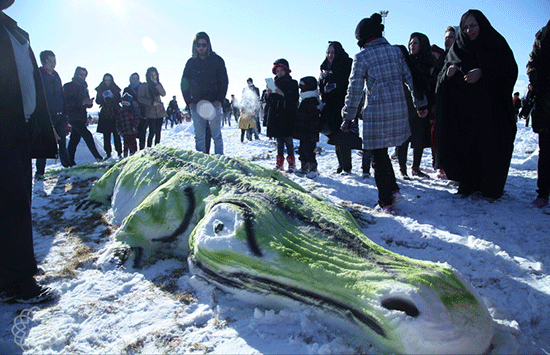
(56, 105)
(78, 101)
(538, 69)
(205, 78)
(26, 133)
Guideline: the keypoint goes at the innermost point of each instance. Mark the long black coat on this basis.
(475, 122)
(424, 79)
(281, 110)
(307, 120)
(339, 74)
(110, 108)
(538, 69)
(13, 127)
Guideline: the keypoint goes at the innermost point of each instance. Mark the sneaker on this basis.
(346, 172)
(312, 174)
(339, 170)
(366, 175)
(387, 208)
(540, 202)
(397, 197)
(419, 173)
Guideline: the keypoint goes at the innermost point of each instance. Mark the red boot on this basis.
(280, 163)
(291, 163)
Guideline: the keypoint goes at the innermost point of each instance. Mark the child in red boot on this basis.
(281, 106)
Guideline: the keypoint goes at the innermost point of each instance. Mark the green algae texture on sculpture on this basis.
(253, 231)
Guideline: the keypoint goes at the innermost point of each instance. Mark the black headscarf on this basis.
(479, 53)
(421, 65)
(102, 86)
(340, 56)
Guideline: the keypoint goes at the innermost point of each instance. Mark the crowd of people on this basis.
(458, 101)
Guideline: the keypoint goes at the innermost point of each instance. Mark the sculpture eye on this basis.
(218, 226)
(399, 304)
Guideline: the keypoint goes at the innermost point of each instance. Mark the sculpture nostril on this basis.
(402, 305)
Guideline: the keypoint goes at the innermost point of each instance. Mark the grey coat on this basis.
(383, 69)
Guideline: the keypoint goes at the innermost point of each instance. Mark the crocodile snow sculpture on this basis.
(245, 227)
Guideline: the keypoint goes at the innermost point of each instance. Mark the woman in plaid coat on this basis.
(383, 69)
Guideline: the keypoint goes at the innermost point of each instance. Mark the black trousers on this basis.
(384, 176)
(306, 150)
(343, 153)
(61, 129)
(543, 181)
(155, 127)
(142, 131)
(107, 143)
(402, 151)
(79, 130)
(17, 259)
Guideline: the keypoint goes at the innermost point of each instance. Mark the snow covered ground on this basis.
(502, 248)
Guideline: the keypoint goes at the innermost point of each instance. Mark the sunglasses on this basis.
(199, 45)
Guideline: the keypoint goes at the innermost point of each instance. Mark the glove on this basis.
(345, 127)
(350, 126)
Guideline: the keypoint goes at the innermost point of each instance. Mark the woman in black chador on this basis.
(475, 117)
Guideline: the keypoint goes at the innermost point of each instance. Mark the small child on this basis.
(281, 105)
(127, 124)
(246, 119)
(307, 125)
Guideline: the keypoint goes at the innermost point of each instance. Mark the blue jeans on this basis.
(281, 143)
(199, 124)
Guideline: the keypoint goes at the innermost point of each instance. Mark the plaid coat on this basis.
(127, 122)
(383, 69)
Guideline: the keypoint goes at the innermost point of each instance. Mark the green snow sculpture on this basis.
(247, 228)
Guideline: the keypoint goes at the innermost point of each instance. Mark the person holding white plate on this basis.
(204, 86)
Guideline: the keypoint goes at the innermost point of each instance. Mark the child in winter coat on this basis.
(307, 125)
(281, 105)
(246, 119)
(127, 124)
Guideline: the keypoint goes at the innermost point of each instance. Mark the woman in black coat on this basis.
(476, 127)
(421, 63)
(108, 98)
(333, 86)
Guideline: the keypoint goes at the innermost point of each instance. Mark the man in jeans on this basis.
(205, 78)
(56, 105)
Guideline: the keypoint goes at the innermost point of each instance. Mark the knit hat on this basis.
(308, 83)
(127, 98)
(281, 63)
(369, 28)
(4, 4)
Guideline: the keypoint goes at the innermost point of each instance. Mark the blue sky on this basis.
(124, 36)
